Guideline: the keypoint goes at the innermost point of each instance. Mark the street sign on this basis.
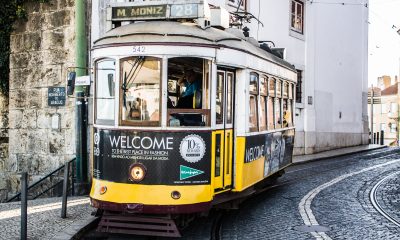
(82, 81)
(56, 96)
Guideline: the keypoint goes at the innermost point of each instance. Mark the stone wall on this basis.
(42, 48)
(3, 146)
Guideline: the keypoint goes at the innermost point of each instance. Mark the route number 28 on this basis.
(184, 10)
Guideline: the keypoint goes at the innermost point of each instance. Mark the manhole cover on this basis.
(312, 228)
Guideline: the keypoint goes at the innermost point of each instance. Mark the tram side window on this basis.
(219, 107)
(140, 91)
(271, 105)
(291, 101)
(286, 106)
(105, 91)
(253, 90)
(229, 97)
(188, 92)
(263, 102)
(278, 103)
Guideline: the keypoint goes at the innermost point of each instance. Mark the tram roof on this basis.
(176, 32)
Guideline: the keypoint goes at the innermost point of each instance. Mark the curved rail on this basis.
(377, 206)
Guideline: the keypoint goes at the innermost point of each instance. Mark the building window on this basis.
(297, 16)
(393, 107)
(299, 92)
(392, 127)
(383, 127)
(383, 108)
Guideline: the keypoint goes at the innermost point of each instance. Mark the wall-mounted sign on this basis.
(82, 81)
(56, 96)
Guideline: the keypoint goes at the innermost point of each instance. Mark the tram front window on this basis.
(105, 84)
(188, 91)
(140, 91)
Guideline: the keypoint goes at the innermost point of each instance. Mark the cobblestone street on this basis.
(340, 188)
(333, 193)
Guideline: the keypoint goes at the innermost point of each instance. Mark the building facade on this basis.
(385, 111)
(38, 136)
(331, 55)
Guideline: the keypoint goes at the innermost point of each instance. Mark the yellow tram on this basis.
(186, 116)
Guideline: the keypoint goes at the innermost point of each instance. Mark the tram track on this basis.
(347, 162)
(345, 165)
(375, 202)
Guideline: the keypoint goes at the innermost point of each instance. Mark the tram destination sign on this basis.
(164, 11)
(56, 96)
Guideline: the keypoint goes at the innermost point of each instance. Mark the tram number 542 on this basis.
(139, 49)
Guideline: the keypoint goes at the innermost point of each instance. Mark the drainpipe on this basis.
(81, 183)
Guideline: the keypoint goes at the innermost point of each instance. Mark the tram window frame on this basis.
(271, 104)
(287, 111)
(278, 104)
(230, 76)
(219, 98)
(263, 103)
(184, 116)
(141, 123)
(253, 94)
(110, 121)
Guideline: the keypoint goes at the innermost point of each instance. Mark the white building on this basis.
(327, 42)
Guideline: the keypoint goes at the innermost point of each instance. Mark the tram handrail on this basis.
(18, 195)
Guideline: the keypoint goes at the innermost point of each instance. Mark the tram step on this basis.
(138, 225)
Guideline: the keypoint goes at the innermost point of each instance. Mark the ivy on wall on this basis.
(10, 11)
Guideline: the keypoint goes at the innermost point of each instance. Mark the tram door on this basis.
(223, 137)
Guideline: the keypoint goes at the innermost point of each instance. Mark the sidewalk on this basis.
(336, 153)
(44, 221)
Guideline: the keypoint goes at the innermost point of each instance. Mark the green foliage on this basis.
(10, 11)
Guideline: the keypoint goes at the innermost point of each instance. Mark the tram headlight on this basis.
(175, 195)
(103, 190)
(137, 172)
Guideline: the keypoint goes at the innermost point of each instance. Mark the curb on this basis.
(338, 155)
(77, 229)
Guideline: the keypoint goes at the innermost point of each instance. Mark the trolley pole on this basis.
(82, 184)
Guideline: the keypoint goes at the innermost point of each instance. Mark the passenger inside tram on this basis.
(192, 87)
